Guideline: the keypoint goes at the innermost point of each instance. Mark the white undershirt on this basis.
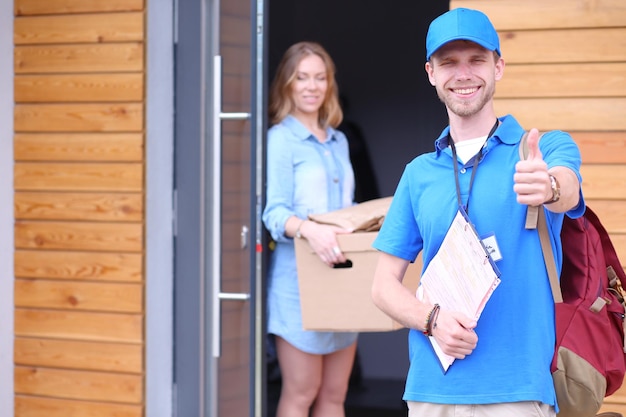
(466, 149)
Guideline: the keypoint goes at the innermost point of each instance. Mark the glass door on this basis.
(232, 229)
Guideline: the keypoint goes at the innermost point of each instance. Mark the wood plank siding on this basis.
(79, 185)
(566, 69)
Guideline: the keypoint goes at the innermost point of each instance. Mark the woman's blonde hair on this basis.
(281, 102)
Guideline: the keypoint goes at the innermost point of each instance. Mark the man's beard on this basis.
(465, 108)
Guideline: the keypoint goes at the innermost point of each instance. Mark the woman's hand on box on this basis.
(323, 240)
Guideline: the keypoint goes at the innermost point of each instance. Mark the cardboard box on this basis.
(339, 299)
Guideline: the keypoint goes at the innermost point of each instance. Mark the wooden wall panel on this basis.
(79, 325)
(81, 58)
(84, 296)
(113, 237)
(56, 88)
(592, 45)
(83, 385)
(619, 242)
(235, 31)
(235, 96)
(73, 354)
(235, 8)
(85, 266)
(563, 80)
(617, 405)
(533, 14)
(566, 113)
(78, 206)
(606, 182)
(602, 147)
(109, 147)
(29, 406)
(89, 117)
(234, 394)
(90, 28)
(616, 402)
(75, 176)
(232, 213)
(79, 154)
(610, 211)
(235, 179)
(235, 151)
(38, 7)
(232, 61)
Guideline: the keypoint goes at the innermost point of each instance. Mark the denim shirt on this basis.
(304, 175)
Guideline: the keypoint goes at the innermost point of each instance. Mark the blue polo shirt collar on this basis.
(509, 132)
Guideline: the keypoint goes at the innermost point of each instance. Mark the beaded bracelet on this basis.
(433, 320)
(429, 319)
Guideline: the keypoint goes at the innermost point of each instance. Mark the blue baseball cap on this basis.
(461, 24)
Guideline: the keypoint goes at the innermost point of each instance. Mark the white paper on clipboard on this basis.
(461, 276)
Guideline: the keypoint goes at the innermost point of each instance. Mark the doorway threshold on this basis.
(366, 398)
(376, 398)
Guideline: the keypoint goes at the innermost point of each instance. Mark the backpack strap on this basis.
(536, 219)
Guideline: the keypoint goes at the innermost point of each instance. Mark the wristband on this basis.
(428, 330)
(556, 190)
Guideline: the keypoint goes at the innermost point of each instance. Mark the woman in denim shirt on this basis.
(308, 171)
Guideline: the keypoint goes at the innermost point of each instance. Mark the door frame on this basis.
(259, 106)
(189, 85)
(159, 251)
(7, 248)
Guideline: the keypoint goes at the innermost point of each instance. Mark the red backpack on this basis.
(589, 361)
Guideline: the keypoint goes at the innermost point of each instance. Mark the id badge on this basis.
(491, 244)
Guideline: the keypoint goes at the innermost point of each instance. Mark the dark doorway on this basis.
(378, 48)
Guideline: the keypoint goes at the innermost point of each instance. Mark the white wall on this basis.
(6, 208)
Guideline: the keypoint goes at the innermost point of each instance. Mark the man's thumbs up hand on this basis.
(533, 145)
(531, 179)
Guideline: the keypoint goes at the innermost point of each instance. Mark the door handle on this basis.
(216, 203)
(234, 296)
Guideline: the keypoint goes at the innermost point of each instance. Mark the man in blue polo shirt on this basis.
(502, 365)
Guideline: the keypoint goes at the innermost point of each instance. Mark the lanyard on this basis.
(455, 164)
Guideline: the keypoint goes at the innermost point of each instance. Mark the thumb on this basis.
(465, 321)
(469, 324)
(533, 145)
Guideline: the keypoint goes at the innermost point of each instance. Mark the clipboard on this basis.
(461, 276)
